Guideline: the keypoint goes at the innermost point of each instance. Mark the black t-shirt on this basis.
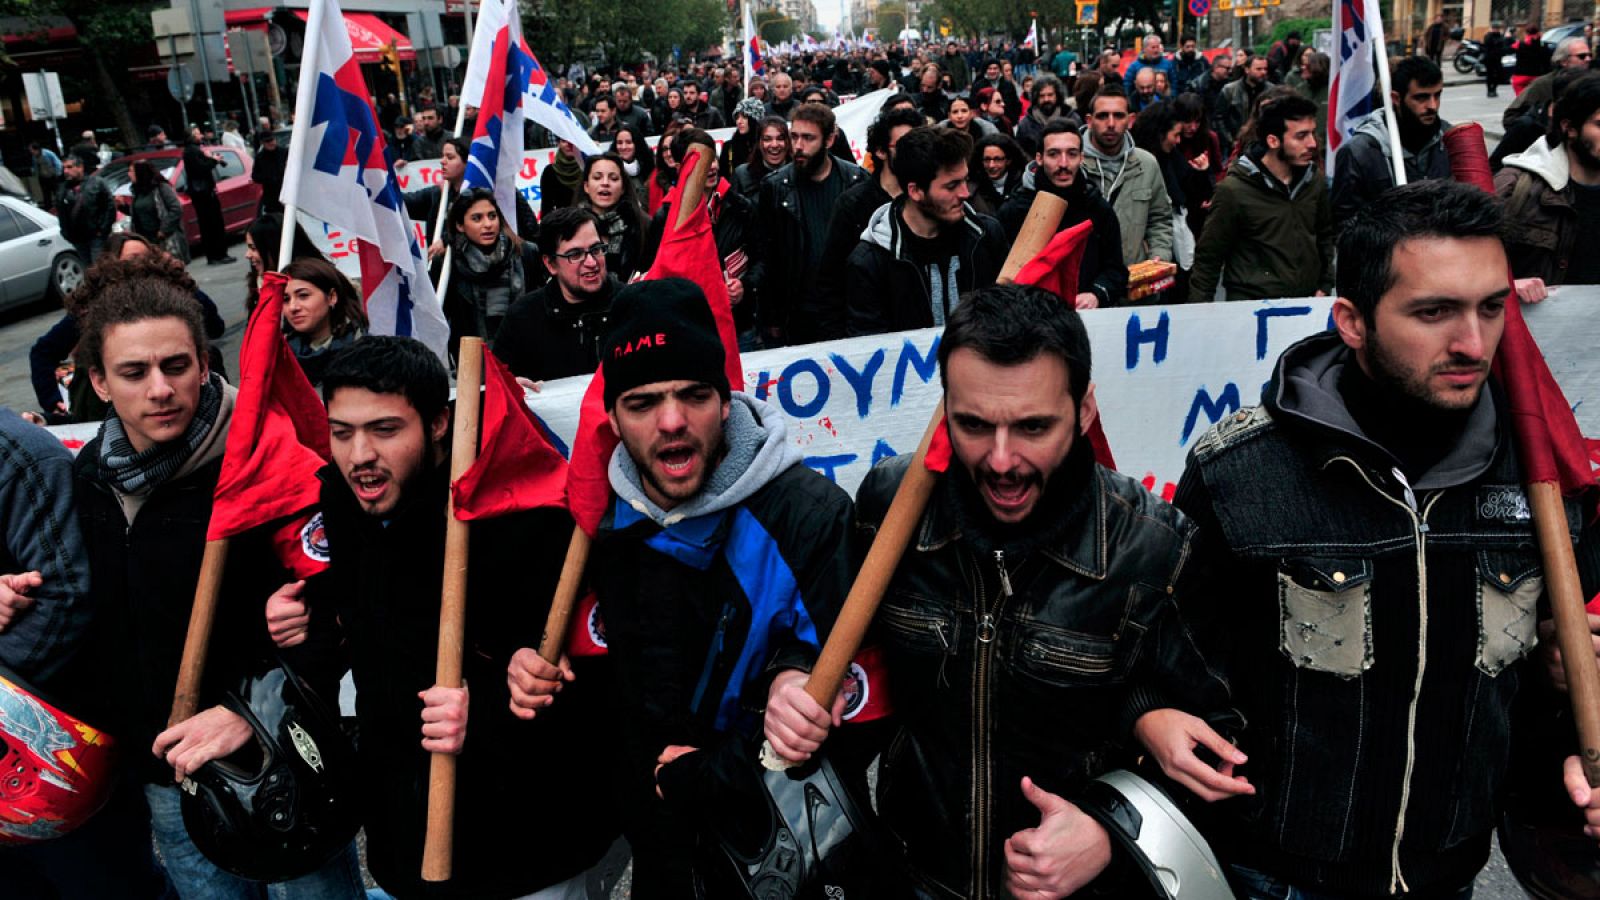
(939, 260)
(1584, 267)
(817, 199)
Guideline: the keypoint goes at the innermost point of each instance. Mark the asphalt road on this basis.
(226, 285)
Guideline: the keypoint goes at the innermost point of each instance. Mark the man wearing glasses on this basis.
(555, 331)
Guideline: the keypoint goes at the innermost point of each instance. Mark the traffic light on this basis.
(391, 58)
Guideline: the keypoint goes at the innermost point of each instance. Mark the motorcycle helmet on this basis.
(55, 769)
(1149, 828)
(285, 803)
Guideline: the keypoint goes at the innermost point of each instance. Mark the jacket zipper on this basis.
(982, 776)
(1419, 524)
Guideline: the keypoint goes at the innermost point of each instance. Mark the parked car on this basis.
(1556, 35)
(239, 195)
(35, 260)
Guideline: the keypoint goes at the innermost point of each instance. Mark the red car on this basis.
(239, 195)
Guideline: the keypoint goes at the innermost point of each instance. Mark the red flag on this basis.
(1055, 268)
(277, 440)
(687, 252)
(1552, 448)
(1549, 442)
(587, 634)
(516, 468)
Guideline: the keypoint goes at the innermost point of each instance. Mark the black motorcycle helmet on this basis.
(285, 803)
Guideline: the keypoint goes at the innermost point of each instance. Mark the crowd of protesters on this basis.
(1203, 176)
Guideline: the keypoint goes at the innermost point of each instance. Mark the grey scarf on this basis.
(489, 281)
(131, 471)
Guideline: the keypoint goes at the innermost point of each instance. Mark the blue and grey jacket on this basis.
(704, 602)
(1371, 628)
(41, 535)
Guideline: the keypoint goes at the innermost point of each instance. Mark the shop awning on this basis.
(369, 35)
(18, 30)
(253, 19)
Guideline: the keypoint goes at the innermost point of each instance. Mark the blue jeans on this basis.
(116, 844)
(198, 879)
(1250, 884)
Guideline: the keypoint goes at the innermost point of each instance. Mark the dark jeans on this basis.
(110, 856)
(1250, 884)
(213, 233)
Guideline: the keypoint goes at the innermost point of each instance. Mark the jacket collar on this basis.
(1079, 539)
(886, 228)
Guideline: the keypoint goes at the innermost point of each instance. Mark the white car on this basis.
(35, 260)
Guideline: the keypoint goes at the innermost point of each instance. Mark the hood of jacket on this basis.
(1305, 389)
(1250, 168)
(1374, 126)
(757, 449)
(1545, 161)
(886, 229)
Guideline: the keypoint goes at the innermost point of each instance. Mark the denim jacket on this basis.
(1035, 665)
(1371, 630)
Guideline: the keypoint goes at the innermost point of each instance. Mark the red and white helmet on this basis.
(55, 769)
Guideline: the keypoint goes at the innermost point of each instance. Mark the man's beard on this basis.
(1392, 373)
(1046, 109)
(1583, 154)
(811, 165)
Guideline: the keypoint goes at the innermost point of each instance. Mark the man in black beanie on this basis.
(720, 569)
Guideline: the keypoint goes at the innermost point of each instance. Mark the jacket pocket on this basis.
(1509, 587)
(1325, 609)
(1060, 658)
(918, 630)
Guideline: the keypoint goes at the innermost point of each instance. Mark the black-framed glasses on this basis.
(576, 256)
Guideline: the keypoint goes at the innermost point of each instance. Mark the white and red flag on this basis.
(541, 102)
(496, 152)
(340, 171)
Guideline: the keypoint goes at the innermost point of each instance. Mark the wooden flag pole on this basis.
(439, 846)
(566, 597)
(906, 509)
(192, 668)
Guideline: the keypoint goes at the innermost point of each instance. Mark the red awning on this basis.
(253, 19)
(369, 34)
(16, 30)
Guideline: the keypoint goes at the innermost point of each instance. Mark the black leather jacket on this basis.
(1011, 663)
(781, 275)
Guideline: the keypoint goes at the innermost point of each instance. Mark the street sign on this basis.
(1247, 13)
(1088, 13)
(1199, 8)
(180, 84)
(44, 95)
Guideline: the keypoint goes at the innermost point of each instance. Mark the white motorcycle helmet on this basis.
(1145, 824)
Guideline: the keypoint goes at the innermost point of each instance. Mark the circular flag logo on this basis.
(856, 690)
(597, 627)
(314, 540)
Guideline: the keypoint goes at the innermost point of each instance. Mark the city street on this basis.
(225, 284)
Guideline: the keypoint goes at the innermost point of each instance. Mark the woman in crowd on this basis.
(558, 184)
(609, 194)
(668, 109)
(261, 251)
(964, 118)
(1163, 85)
(991, 105)
(1158, 131)
(489, 269)
(1202, 157)
(995, 172)
(156, 212)
(758, 90)
(747, 116)
(1310, 79)
(666, 170)
(637, 160)
(322, 314)
(772, 152)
